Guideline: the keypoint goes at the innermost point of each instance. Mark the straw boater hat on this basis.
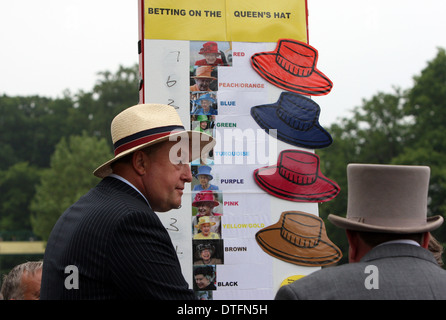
(299, 238)
(387, 198)
(143, 125)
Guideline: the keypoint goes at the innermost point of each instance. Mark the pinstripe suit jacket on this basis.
(403, 271)
(119, 246)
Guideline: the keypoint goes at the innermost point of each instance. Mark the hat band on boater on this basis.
(143, 137)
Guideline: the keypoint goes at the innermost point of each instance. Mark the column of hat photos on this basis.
(250, 220)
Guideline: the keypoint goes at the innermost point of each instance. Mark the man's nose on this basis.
(187, 173)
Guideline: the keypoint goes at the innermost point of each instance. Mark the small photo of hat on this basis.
(296, 177)
(202, 118)
(205, 196)
(299, 238)
(209, 47)
(296, 119)
(204, 246)
(204, 220)
(204, 72)
(292, 67)
(204, 170)
(206, 96)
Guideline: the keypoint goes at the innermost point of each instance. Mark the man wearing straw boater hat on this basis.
(111, 237)
(388, 233)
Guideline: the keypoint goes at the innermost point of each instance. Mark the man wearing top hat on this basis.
(111, 236)
(388, 233)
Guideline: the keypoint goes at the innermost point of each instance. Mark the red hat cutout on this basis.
(296, 177)
(292, 67)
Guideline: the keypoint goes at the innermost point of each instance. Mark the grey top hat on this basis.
(387, 198)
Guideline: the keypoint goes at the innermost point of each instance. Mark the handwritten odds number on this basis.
(172, 82)
(174, 228)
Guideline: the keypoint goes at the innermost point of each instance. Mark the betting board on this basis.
(210, 61)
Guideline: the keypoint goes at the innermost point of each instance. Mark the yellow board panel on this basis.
(225, 20)
(184, 20)
(266, 20)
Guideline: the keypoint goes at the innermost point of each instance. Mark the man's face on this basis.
(203, 84)
(166, 177)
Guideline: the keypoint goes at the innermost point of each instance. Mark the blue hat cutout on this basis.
(204, 170)
(296, 119)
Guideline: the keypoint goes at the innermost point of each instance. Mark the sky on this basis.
(364, 46)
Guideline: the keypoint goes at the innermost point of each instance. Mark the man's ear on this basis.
(140, 162)
(425, 240)
(354, 242)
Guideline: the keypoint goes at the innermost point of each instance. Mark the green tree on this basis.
(403, 127)
(17, 186)
(30, 127)
(426, 104)
(111, 94)
(68, 178)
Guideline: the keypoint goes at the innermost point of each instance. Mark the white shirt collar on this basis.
(114, 175)
(405, 241)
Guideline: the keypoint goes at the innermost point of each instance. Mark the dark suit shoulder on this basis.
(83, 237)
(400, 271)
(111, 191)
